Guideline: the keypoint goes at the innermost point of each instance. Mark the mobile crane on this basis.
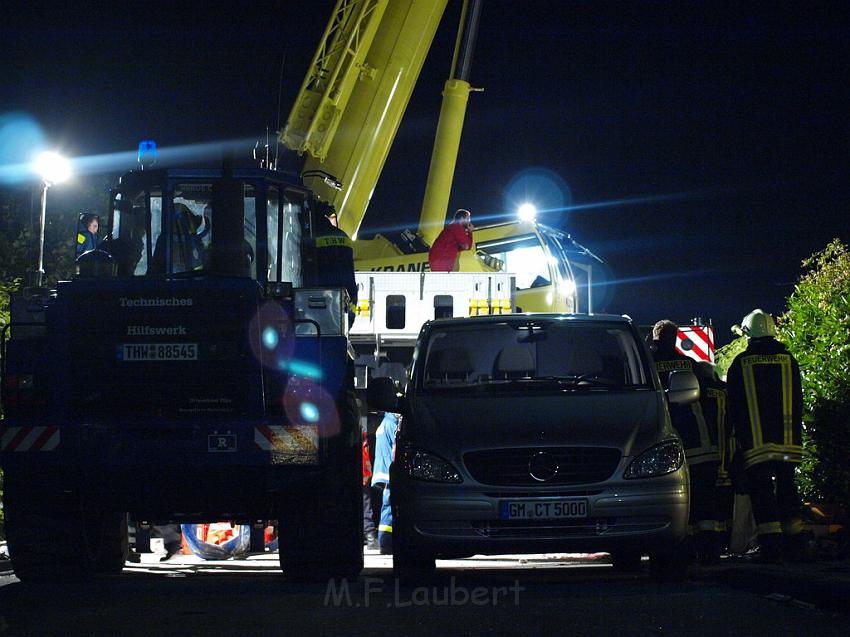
(189, 372)
(345, 119)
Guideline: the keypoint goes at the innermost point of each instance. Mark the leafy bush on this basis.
(816, 328)
(724, 356)
(5, 290)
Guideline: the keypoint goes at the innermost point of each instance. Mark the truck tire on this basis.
(109, 545)
(64, 545)
(411, 564)
(321, 531)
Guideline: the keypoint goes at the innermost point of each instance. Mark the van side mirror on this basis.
(382, 394)
(684, 388)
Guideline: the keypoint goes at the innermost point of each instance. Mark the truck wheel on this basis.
(411, 565)
(55, 547)
(321, 532)
(108, 542)
(670, 564)
(320, 537)
(61, 546)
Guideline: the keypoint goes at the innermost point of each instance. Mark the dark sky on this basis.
(727, 122)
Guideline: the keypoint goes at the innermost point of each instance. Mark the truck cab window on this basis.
(524, 256)
(284, 230)
(250, 233)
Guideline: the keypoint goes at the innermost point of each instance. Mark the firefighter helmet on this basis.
(758, 324)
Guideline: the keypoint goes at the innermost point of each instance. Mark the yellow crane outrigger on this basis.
(345, 119)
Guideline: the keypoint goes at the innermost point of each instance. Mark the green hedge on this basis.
(816, 328)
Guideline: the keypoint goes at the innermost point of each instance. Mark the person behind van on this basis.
(766, 414)
(455, 237)
(87, 234)
(699, 437)
(384, 454)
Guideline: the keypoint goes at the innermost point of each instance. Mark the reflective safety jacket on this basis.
(766, 403)
(714, 401)
(85, 241)
(698, 429)
(384, 454)
(334, 258)
(384, 448)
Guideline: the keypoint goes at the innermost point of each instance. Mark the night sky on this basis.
(703, 146)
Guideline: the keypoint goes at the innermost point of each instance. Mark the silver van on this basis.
(531, 433)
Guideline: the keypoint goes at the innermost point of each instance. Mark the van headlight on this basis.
(659, 460)
(422, 465)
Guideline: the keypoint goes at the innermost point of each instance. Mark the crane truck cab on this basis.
(552, 271)
(192, 376)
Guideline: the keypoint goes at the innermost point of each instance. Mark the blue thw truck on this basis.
(193, 370)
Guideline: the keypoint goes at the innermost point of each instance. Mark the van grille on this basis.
(511, 467)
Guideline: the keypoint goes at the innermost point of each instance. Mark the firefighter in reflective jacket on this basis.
(766, 412)
(334, 256)
(697, 425)
(87, 233)
(384, 454)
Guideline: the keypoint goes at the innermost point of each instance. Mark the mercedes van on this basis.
(537, 433)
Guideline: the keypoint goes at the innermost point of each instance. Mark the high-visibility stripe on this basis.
(787, 397)
(386, 528)
(792, 526)
(710, 525)
(720, 409)
(704, 439)
(333, 242)
(674, 366)
(769, 528)
(752, 403)
(698, 455)
(771, 451)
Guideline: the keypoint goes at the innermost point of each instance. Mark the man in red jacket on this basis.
(457, 236)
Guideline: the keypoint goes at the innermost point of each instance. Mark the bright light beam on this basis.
(52, 167)
(128, 160)
(527, 212)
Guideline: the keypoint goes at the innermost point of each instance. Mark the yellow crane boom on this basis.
(354, 96)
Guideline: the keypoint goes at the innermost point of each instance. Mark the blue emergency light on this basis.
(147, 153)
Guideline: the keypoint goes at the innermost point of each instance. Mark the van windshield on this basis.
(571, 355)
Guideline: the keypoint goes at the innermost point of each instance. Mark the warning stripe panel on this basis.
(295, 440)
(696, 342)
(39, 438)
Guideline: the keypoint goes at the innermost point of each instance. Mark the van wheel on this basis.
(626, 561)
(411, 565)
(670, 564)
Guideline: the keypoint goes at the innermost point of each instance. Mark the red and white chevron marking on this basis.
(696, 342)
(29, 439)
(294, 440)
